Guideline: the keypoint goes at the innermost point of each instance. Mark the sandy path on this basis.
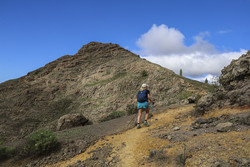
(133, 147)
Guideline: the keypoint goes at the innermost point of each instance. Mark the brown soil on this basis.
(184, 147)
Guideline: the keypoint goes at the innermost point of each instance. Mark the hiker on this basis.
(142, 98)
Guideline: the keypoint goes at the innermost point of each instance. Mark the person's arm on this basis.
(150, 99)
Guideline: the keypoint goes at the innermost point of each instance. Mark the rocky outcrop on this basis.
(235, 91)
(71, 120)
(235, 79)
(236, 75)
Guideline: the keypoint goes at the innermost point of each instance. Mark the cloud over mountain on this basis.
(165, 46)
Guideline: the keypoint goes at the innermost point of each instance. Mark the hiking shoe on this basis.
(138, 126)
(146, 123)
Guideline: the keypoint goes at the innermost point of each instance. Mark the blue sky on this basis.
(199, 36)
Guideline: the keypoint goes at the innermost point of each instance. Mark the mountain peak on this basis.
(102, 48)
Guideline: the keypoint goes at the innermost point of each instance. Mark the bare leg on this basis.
(147, 113)
(139, 116)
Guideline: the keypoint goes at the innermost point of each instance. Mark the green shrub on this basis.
(6, 152)
(131, 109)
(181, 159)
(158, 155)
(144, 73)
(42, 142)
(113, 115)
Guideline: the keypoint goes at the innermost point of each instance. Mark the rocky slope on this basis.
(235, 79)
(174, 139)
(96, 81)
(235, 91)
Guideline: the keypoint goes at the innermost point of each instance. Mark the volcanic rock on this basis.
(235, 91)
(71, 120)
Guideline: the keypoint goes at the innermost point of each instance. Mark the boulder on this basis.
(71, 120)
(224, 127)
(204, 103)
(193, 98)
(176, 128)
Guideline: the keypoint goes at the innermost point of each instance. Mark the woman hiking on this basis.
(142, 98)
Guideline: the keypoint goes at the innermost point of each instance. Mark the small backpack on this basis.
(142, 96)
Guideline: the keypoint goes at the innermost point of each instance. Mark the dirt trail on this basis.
(147, 147)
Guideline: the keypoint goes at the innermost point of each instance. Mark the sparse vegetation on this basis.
(144, 73)
(184, 94)
(158, 155)
(102, 82)
(6, 153)
(34, 73)
(181, 158)
(131, 109)
(59, 108)
(213, 88)
(171, 102)
(42, 142)
(113, 115)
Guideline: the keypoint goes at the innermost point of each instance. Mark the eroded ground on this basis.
(175, 138)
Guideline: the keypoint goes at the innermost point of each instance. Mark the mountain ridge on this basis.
(98, 80)
(101, 79)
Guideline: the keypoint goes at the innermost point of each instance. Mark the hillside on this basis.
(96, 81)
(104, 78)
(174, 139)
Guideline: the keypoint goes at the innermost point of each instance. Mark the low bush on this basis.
(42, 142)
(113, 115)
(159, 156)
(184, 95)
(180, 159)
(144, 73)
(6, 153)
(131, 109)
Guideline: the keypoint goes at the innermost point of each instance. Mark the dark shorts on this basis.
(143, 105)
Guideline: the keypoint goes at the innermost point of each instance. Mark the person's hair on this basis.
(141, 89)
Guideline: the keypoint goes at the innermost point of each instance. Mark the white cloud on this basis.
(165, 46)
(161, 40)
(209, 77)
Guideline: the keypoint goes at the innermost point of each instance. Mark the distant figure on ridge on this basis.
(142, 98)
